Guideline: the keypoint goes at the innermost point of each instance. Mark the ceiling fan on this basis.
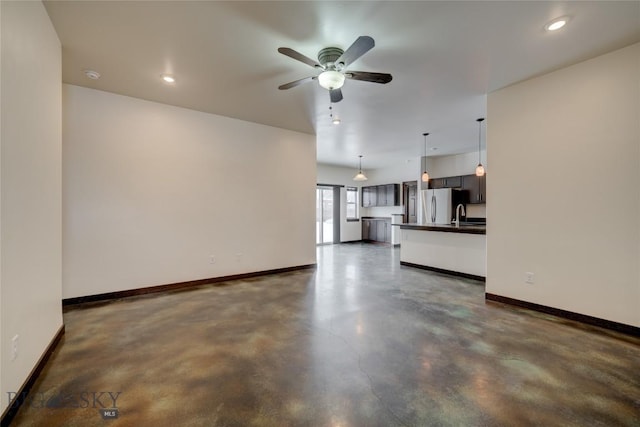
(333, 62)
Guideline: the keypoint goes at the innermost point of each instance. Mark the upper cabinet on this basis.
(447, 182)
(369, 197)
(477, 186)
(381, 195)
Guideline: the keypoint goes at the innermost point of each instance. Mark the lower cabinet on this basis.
(365, 229)
(376, 230)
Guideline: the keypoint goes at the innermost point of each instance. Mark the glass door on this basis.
(324, 215)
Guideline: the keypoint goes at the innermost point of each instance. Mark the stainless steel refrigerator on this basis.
(438, 205)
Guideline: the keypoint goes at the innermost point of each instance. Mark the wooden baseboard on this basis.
(443, 271)
(12, 409)
(582, 318)
(68, 303)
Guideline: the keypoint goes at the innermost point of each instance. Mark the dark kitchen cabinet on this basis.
(381, 227)
(366, 229)
(393, 194)
(381, 195)
(446, 182)
(369, 197)
(436, 183)
(372, 230)
(477, 186)
(376, 230)
(381, 190)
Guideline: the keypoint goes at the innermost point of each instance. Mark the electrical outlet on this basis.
(528, 277)
(14, 347)
(212, 259)
(238, 257)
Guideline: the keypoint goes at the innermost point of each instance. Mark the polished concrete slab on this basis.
(361, 341)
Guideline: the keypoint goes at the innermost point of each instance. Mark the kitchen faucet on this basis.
(457, 221)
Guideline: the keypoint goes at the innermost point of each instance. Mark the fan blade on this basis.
(336, 95)
(359, 47)
(298, 56)
(369, 77)
(296, 83)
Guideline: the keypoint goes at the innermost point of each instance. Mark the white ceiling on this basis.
(444, 57)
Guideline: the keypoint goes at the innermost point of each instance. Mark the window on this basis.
(352, 204)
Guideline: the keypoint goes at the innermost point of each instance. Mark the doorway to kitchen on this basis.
(409, 195)
(327, 214)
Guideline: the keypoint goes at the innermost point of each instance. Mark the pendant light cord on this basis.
(479, 138)
(425, 143)
(425, 150)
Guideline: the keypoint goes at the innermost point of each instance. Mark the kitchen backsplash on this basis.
(477, 211)
(385, 211)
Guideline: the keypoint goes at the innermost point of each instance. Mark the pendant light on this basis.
(360, 176)
(425, 175)
(479, 168)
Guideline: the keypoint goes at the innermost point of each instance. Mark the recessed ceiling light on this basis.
(557, 23)
(93, 75)
(168, 78)
(336, 121)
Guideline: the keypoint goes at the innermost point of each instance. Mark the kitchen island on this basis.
(445, 248)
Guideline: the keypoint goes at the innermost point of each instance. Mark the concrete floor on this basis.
(359, 342)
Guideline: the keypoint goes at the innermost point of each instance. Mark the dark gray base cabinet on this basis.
(376, 230)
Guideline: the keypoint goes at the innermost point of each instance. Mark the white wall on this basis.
(564, 188)
(152, 192)
(456, 164)
(337, 175)
(30, 190)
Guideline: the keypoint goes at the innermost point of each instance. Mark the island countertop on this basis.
(468, 228)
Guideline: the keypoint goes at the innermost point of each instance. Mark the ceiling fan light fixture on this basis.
(334, 63)
(331, 79)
